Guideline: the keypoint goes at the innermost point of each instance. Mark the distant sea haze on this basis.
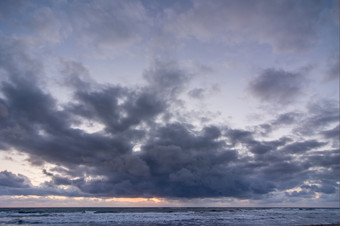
(170, 216)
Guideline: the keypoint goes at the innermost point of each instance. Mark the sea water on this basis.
(169, 216)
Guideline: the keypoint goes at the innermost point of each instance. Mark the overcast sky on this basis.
(169, 103)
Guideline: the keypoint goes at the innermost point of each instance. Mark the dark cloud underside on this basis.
(277, 86)
(176, 159)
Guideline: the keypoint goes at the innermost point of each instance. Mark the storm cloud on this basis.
(100, 137)
(175, 158)
(277, 86)
(8, 179)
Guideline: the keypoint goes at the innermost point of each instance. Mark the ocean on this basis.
(169, 216)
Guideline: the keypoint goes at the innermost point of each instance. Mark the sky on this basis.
(169, 103)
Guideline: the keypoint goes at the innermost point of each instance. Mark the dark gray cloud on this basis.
(302, 147)
(331, 133)
(16, 65)
(327, 182)
(284, 120)
(266, 146)
(288, 118)
(175, 159)
(325, 158)
(12, 184)
(254, 146)
(277, 86)
(321, 114)
(75, 75)
(8, 179)
(197, 93)
(321, 117)
(104, 106)
(166, 78)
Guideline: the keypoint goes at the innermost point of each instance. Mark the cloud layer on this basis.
(175, 158)
(63, 102)
(284, 25)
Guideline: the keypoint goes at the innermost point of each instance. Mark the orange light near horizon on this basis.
(124, 199)
(25, 196)
(56, 197)
(135, 200)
